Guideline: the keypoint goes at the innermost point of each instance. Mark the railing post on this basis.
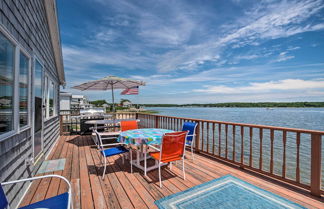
(197, 138)
(316, 146)
(61, 125)
(156, 121)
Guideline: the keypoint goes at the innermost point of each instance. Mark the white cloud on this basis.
(237, 74)
(188, 98)
(248, 57)
(273, 21)
(162, 32)
(82, 59)
(281, 85)
(106, 35)
(283, 56)
(199, 42)
(293, 48)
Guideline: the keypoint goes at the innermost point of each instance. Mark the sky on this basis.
(197, 51)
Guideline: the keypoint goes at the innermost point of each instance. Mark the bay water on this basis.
(303, 118)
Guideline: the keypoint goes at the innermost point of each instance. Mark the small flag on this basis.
(130, 91)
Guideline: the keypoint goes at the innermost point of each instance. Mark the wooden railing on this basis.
(287, 154)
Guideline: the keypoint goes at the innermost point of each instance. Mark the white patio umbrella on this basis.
(109, 83)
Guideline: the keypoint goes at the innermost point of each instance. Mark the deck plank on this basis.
(68, 165)
(190, 180)
(140, 189)
(122, 189)
(155, 192)
(97, 170)
(173, 179)
(131, 191)
(86, 192)
(53, 188)
(96, 182)
(108, 192)
(75, 184)
(75, 174)
(42, 185)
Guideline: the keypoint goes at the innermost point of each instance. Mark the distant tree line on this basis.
(101, 102)
(98, 103)
(245, 104)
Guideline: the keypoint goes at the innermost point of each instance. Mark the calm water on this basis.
(305, 118)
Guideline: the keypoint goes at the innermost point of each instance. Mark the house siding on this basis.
(26, 21)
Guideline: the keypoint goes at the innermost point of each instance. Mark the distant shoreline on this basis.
(247, 104)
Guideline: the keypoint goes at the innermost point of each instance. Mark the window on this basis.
(23, 90)
(46, 96)
(38, 98)
(7, 56)
(14, 86)
(50, 99)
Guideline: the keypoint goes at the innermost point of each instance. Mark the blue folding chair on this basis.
(60, 201)
(111, 152)
(190, 140)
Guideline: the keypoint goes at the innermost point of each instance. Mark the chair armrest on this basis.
(157, 149)
(109, 133)
(113, 144)
(41, 177)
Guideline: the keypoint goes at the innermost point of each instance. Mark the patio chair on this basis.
(107, 135)
(190, 140)
(172, 149)
(59, 201)
(124, 126)
(119, 149)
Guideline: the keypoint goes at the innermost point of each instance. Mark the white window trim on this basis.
(29, 100)
(17, 49)
(36, 58)
(50, 79)
(45, 94)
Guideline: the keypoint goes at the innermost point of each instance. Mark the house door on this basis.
(38, 110)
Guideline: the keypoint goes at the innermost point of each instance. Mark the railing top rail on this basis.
(306, 131)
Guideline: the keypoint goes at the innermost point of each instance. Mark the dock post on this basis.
(197, 138)
(315, 181)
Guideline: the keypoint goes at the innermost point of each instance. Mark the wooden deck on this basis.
(122, 189)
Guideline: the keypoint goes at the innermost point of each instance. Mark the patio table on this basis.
(141, 138)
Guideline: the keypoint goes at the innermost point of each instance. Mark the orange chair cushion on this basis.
(156, 156)
(128, 125)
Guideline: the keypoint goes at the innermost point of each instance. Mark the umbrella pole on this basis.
(113, 98)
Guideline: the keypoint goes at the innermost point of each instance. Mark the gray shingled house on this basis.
(31, 72)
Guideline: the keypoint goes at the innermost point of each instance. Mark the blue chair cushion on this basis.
(189, 126)
(114, 151)
(57, 202)
(3, 199)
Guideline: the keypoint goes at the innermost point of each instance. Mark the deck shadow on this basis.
(98, 169)
(79, 141)
(152, 176)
